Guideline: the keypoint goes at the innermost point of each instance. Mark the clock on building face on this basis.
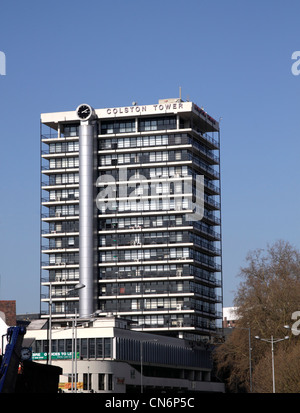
(84, 111)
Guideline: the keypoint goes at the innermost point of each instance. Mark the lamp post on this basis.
(272, 341)
(78, 286)
(250, 364)
(50, 324)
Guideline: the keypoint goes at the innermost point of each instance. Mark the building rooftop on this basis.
(164, 106)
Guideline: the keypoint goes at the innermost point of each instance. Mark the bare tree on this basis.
(266, 298)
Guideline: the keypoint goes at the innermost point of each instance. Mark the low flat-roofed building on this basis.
(112, 358)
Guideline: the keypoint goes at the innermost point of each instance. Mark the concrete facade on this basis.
(114, 359)
(146, 239)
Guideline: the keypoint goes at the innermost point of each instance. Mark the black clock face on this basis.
(84, 111)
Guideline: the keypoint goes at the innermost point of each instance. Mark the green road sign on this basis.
(64, 355)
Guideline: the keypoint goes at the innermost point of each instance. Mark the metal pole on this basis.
(272, 341)
(141, 366)
(72, 378)
(75, 350)
(250, 362)
(50, 323)
(273, 367)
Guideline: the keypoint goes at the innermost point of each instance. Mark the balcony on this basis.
(61, 214)
(162, 241)
(176, 324)
(145, 273)
(124, 308)
(206, 153)
(203, 167)
(60, 263)
(58, 200)
(170, 290)
(57, 182)
(61, 247)
(205, 138)
(55, 135)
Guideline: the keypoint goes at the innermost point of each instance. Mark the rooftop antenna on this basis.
(180, 92)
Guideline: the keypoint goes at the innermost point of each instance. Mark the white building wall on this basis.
(3, 331)
(122, 373)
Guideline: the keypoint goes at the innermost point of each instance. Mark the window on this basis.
(68, 345)
(110, 382)
(83, 352)
(73, 146)
(92, 348)
(125, 126)
(107, 347)
(87, 379)
(101, 381)
(61, 345)
(71, 130)
(37, 346)
(99, 348)
(158, 123)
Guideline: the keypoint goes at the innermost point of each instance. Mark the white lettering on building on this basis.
(2, 64)
(144, 108)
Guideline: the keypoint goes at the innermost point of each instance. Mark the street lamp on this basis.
(272, 341)
(50, 325)
(294, 331)
(74, 330)
(78, 286)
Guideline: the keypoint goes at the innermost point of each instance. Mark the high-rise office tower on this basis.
(131, 209)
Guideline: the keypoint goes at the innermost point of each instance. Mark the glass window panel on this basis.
(99, 347)
(84, 343)
(60, 345)
(92, 347)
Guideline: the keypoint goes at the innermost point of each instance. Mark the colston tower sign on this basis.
(162, 107)
(145, 108)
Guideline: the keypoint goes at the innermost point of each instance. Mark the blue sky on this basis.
(233, 58)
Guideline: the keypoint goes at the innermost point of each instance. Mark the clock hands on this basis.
(84, 111)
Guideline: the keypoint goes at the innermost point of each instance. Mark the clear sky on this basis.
(231, 57)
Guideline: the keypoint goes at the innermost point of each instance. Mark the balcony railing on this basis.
(204, 326)
(56, 214)
(69, 199)
(122, 308)
(148, 242)
(206, 137)
(117, 290)
(54, 135)
(62, 263)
